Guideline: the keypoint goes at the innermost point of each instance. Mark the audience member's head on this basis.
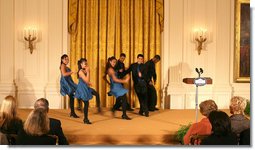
(37, 122)
(207, 106)
(8, 109)
(221, 125)
(237, 105)
(42, 103)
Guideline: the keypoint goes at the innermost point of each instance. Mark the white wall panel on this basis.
(34, 75)
(216, 60)
(6, 48)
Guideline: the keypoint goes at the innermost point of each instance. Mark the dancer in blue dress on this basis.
(93, 92)
(83, 92)
(117, 89)
(67, 86)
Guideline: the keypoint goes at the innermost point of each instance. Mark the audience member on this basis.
(9, 122)
(55, 124)
(221, 130)
(204, 126)
(238, 120)
(36, 129)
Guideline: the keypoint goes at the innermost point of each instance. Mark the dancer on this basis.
(120, 66)
(67, 86)
(117, 88)
(151, 73)
(93, 92)
(138, 75)
(120, 69)
(83, 91)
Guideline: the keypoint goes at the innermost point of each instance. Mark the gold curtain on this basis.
(103, 28)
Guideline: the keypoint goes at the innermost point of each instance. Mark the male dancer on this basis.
(138, 76)
(151, 74)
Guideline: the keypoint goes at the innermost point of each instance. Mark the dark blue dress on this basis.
(117, 89)
(67, 86)
(83, 91)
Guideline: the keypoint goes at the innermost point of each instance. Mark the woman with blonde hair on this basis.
(36, 128)
(204, 126)
(9, 122)
(239, 121)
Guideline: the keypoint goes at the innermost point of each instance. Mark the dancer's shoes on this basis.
(73, 115)
(125, 117)
(86, 121)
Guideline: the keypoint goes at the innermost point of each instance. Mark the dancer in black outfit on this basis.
(138, 74)
(151, 74)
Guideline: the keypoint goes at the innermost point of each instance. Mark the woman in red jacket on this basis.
(204, 126)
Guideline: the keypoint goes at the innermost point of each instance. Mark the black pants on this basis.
(121, 100)
(152, 97)
(95, 93)
(143, 100)
(119, 103)
(71, 103)
(86, 108)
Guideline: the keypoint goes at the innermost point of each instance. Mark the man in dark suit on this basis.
(151, 74)
(55, 124)
(140, 85)
(120, 66)
(120, 69)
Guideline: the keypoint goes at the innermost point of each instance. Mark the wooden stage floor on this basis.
(158, 129)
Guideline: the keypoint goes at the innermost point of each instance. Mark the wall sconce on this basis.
(200, 37)
(30, 35)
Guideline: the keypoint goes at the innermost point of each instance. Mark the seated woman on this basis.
(221, 130)
(238, 120)
(204, 126)
(9, 122)
(35, 130)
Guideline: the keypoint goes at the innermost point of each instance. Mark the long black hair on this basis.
(108, 64)
(62, 57)
(79, 65)
(221, 124)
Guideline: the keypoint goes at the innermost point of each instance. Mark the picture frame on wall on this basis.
(242, 41)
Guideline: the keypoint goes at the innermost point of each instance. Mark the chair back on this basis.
(3, 139)
(55, 137)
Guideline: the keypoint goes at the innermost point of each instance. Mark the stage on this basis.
(158, 129)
